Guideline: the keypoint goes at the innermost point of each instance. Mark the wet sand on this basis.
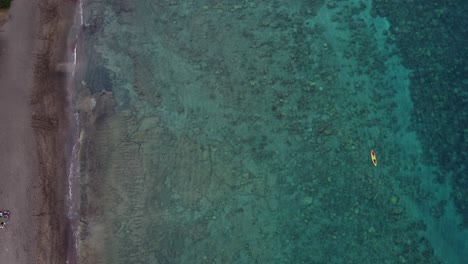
(33, 132)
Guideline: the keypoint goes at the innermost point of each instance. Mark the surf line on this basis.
(73, 195)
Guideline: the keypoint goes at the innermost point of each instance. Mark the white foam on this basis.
(74, 169)
(81, 12)
(74, 60)
(73, 174)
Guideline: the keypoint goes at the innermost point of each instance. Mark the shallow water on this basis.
(241, 133)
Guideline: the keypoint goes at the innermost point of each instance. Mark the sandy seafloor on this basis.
(241, 131)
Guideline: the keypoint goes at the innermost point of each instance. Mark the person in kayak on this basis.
(373, 157)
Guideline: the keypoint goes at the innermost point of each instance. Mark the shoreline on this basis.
(55, 102)
(75, 130)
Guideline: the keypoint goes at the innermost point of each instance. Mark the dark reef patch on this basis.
(431, 36)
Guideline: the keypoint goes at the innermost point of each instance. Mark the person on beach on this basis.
(5, 214)
(2, 224)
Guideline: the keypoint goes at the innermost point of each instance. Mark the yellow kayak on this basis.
(374, 159)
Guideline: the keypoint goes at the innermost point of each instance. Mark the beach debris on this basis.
(6, 215)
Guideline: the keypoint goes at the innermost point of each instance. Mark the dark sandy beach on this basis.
(33, 132)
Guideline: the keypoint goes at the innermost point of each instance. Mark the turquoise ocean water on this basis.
(220, 131)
